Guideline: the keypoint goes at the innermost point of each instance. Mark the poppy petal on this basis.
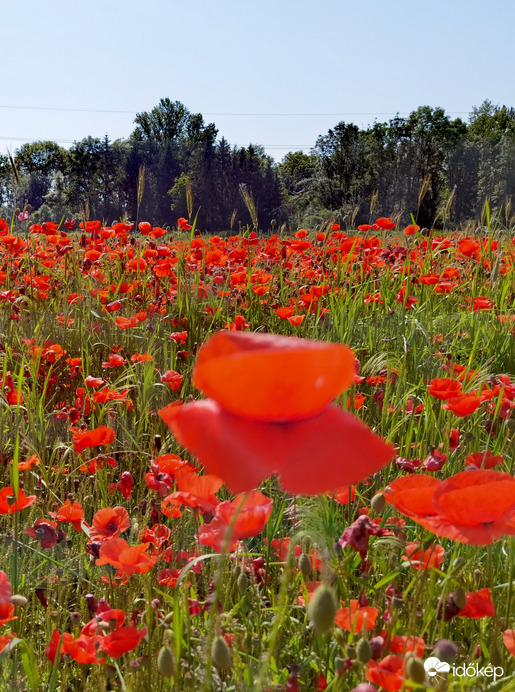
(270, 377)
(312, 456)
(413, 495)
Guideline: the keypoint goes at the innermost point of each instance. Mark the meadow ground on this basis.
(130, 561)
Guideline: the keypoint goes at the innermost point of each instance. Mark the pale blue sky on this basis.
(332, 59)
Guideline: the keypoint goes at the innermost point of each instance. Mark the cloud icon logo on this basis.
(433, 666)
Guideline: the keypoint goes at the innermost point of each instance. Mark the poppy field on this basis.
(256, 461)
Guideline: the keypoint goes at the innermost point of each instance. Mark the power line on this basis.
(104, 110)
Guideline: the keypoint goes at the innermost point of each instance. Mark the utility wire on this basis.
(100, 110)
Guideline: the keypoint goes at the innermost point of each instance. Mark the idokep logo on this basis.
(436, 668)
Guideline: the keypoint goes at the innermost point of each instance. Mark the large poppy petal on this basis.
(476, 497)
(270, 377)
(413, 495)
(312, 456)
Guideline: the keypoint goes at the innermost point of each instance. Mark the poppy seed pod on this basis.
(322, 609)
(363, 651)
(243, 583)
(378, 503)
(165, 662)
(305, 565)
(460, 597)
(416, 670)
(221, 654)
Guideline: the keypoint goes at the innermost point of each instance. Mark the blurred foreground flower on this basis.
(270, 412)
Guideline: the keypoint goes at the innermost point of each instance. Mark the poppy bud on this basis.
(416, 670)
(350, 650)
(339, 666)
(236, 571)
(322, 609)
(220, 653)
(91, 603)
(243, 583)
(363, 651)
(168, 618)
(305, 565)
(75, 619)
(446, 650)
(378, 503)
(165, 662)
(460, 597)
(18, 601)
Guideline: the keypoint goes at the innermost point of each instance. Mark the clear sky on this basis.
(272, 72)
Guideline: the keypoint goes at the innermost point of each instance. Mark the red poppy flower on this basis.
(83, 649)
(9, 504)
(122, 640)
(424, 559)
(173, 379)
(463, 405)
(193, 491)
(109, 522)
(479, 605)
(272, 378)
(444, 388)
(482, 304)
(252, 512)
(92, 438)
(94, 381)
(183, 225)
(388, 673)
(272, 414)
(508, 638)
(411, 229)
(126, 559)
(70, 512)
(475, 507)
(483, 460)
(385, 223)
(5, 588)
(355, 618)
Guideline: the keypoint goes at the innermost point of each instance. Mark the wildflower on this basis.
(109, 522)
(9, 503)
(247, 514)
(126, 559)
(475, 507)
(355, 618)
(270, 406)
(92, 438)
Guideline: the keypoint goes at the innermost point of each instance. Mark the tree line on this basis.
(438, 169)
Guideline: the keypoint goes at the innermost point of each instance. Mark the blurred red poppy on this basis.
(9, 504)
(388, 673)
(475, 507)
(92, 438)
(271, 414)
(479, 605)
(126, 559)
(122, 640)
(355, 618)
(244, 517)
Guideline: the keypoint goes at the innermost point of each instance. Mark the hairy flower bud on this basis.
(322, 609)
(165, 662)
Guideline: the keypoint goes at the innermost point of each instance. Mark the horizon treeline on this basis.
(438, 169)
